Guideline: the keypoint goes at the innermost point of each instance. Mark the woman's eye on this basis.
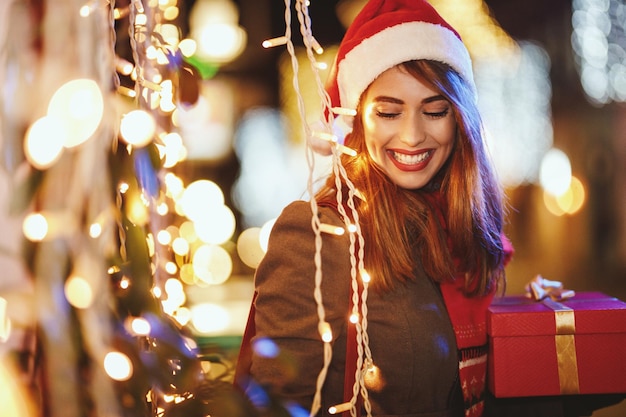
(439, 114)
(386, 115)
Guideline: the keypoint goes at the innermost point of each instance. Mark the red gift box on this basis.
(576, 346)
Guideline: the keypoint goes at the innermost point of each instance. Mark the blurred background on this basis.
(173, 207)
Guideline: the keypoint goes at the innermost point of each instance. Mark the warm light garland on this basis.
(359, 297)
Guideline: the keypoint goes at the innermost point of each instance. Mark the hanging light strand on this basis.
(356, 250)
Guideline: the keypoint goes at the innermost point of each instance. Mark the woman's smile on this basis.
(410, 161)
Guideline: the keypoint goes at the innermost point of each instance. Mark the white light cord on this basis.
(357, 242)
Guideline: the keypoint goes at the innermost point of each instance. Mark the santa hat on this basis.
(386, 33)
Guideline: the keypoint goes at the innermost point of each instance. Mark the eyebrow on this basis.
(388, 99)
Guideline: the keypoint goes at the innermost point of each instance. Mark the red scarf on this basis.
(469, 321)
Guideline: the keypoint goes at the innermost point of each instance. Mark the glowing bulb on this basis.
(140, 326)
(44, 141)
(35, 227)
(78, 292)
(354, 318)
(137, 128)
(95, 230)
(118, 366)
(326, 332)
(330, 229)
(79, 103)
(365, 276)
(271, 43)
(339, 408)
(124, 283)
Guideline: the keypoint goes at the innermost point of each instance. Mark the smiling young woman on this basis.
(431, 217)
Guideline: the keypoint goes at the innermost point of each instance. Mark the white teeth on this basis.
(411, 159)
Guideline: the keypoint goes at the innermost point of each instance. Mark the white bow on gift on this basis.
(540, 288)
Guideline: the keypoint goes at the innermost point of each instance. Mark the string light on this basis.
(343, 111)
(340, 408)
(278, 41)
(365, 276)
(331, 138)
(330, 229)
(325, 332)
(356, 251)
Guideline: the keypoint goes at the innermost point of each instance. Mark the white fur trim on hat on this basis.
(394, 45)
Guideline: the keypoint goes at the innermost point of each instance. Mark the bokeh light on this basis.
(35, 227)
(249, 247)
(44, 141)
(78, 292)
(118, 366)
(212, 264)
(599, 27)
(217, 225)
(569, 202)
(199, 197)
(137, 128)
(180, 246)
(139, 326)
(79, 104)
(214, 27)
(209, 318)
(555, 174)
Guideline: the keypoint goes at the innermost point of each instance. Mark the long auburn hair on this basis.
(450, 227)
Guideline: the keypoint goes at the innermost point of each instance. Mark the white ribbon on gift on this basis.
(540, 288)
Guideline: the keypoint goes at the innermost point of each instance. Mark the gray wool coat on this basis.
(410, 335)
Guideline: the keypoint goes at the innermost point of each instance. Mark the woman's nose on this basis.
(412, 131)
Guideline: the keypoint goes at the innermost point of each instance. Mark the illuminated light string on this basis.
(357, 318)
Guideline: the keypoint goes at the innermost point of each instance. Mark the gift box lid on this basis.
(593, 312)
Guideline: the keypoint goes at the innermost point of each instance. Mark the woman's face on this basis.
(409, 128)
